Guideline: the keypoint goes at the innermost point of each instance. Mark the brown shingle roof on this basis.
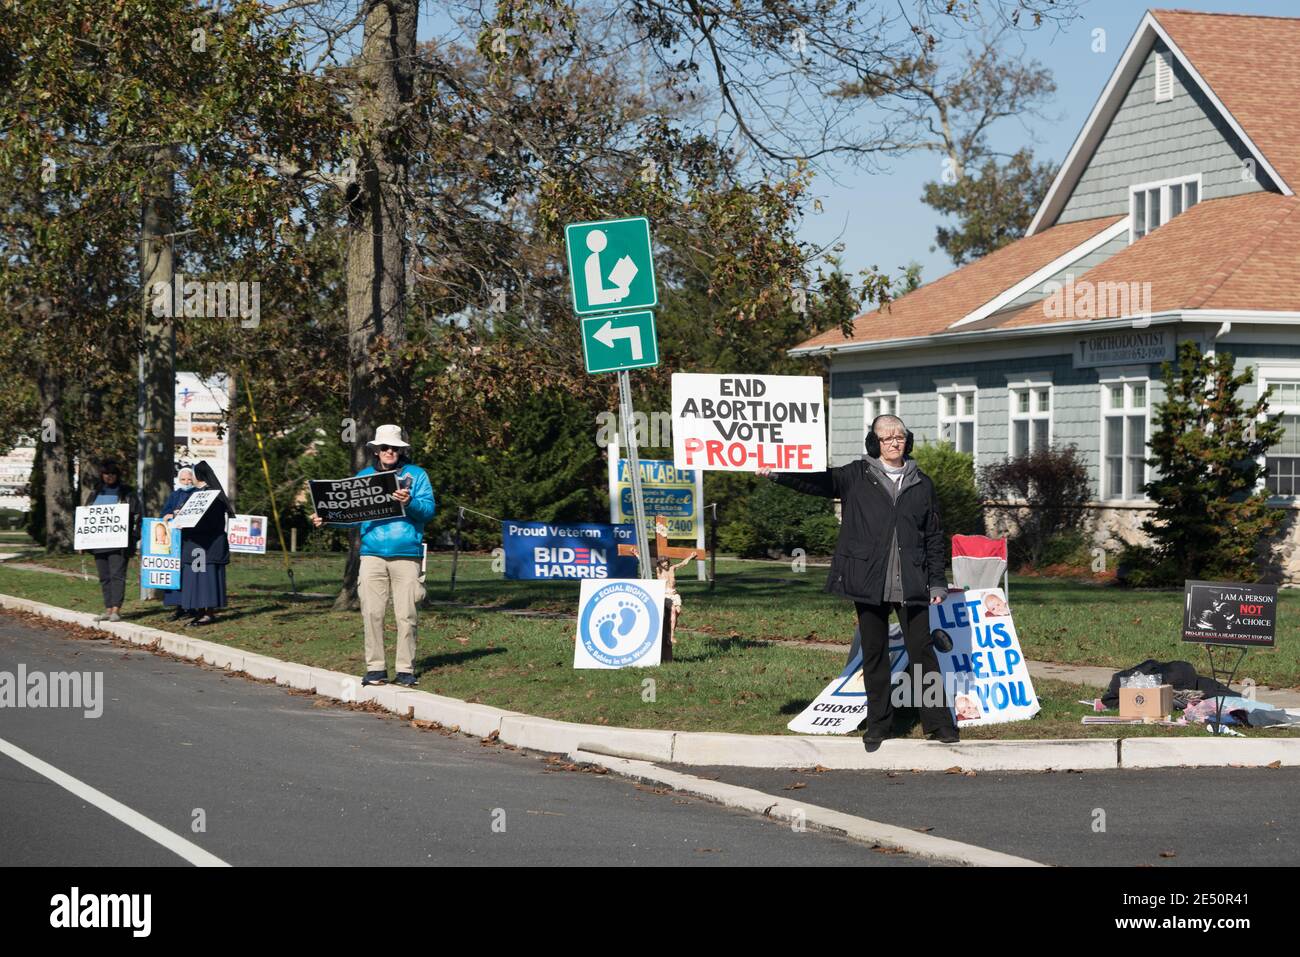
(937, 305)
(1242, 252)
(1250, 64)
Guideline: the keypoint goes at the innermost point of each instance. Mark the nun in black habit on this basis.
(203, 590)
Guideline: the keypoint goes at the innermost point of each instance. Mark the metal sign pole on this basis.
(634, 466)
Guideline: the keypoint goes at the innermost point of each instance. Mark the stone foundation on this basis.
(1114, 526)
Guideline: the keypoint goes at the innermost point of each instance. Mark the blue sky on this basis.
(878, 214)
(880, 217)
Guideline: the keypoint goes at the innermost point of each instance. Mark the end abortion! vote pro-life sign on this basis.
(985, 678)
(743, 423)
(552, 550)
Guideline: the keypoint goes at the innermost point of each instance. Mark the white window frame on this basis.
(1126, 377)
(1163, 185)
(959, 387)
(1033, 385)
(871, 403)
(1267, 375)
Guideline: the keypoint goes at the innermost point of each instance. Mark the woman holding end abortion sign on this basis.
(391, 554)
(890, 556)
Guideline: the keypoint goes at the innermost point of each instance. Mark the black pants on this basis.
(112, 577)
(873, 626)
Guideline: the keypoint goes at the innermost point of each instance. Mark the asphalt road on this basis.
(1209, 817)
(284, 778)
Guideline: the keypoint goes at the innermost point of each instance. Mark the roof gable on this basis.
(1234, 61)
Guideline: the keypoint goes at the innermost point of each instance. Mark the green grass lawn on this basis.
(723, 679)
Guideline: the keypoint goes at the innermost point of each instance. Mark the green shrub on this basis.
(739, 538)
(1053, 485)
(773, 518)
(1141, 566)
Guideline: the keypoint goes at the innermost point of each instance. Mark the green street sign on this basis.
(624, 340)
(610, 265)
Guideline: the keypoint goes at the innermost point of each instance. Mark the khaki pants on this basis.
(379, 577)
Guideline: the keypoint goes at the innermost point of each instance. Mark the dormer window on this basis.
(1151, 205)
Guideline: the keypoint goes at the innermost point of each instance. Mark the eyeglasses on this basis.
(892, 439)
(385, 448)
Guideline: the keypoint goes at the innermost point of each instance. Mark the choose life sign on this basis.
(101, 526)
(742, 423)
(620, 624)
(985, 677)
(160, 556)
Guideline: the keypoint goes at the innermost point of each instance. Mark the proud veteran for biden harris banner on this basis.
(574, 551)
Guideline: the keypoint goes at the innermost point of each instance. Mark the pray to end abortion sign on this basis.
(365, 498)
(743, 423)
(101, 526)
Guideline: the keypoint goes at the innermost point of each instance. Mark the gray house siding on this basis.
(1149, 141)
(1076, 404)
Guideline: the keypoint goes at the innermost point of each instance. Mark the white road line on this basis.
(132, 819)
(783, 809)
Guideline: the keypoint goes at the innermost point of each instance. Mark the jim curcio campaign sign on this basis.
(549, 550)
(985, 678)
(742, 423)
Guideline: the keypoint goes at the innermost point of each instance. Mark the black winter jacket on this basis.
(869, 515)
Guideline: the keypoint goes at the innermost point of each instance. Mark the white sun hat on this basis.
(389, 435)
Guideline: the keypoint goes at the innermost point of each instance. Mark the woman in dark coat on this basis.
(889, 558)
(180, 494)
(203, 591)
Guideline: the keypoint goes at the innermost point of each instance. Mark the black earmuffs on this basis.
(873, 441)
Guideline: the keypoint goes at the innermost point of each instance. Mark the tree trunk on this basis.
(57, 465)
(156, 442)
(158, 344)
(377, 237)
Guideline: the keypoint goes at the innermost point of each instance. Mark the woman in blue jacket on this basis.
(391, 554)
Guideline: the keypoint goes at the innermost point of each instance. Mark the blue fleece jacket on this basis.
(401, 537)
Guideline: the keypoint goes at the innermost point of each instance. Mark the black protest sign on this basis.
(365, 498)
(1229, 613)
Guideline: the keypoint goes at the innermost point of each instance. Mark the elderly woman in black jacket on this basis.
(889, 557)
(205, 552)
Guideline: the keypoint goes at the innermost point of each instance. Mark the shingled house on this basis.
(1173, 217)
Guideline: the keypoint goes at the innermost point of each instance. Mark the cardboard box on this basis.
(1146, 702)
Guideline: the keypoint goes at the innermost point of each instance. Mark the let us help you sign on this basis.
(743, 423)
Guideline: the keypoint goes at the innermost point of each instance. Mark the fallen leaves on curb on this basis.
(1274, 764)
(795, 786)
(1168, 854)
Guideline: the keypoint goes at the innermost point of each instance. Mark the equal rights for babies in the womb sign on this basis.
(743, 423)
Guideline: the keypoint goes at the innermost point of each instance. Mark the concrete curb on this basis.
(698, 747)
(875, 833)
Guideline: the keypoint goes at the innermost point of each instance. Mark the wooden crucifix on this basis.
(672, 602)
